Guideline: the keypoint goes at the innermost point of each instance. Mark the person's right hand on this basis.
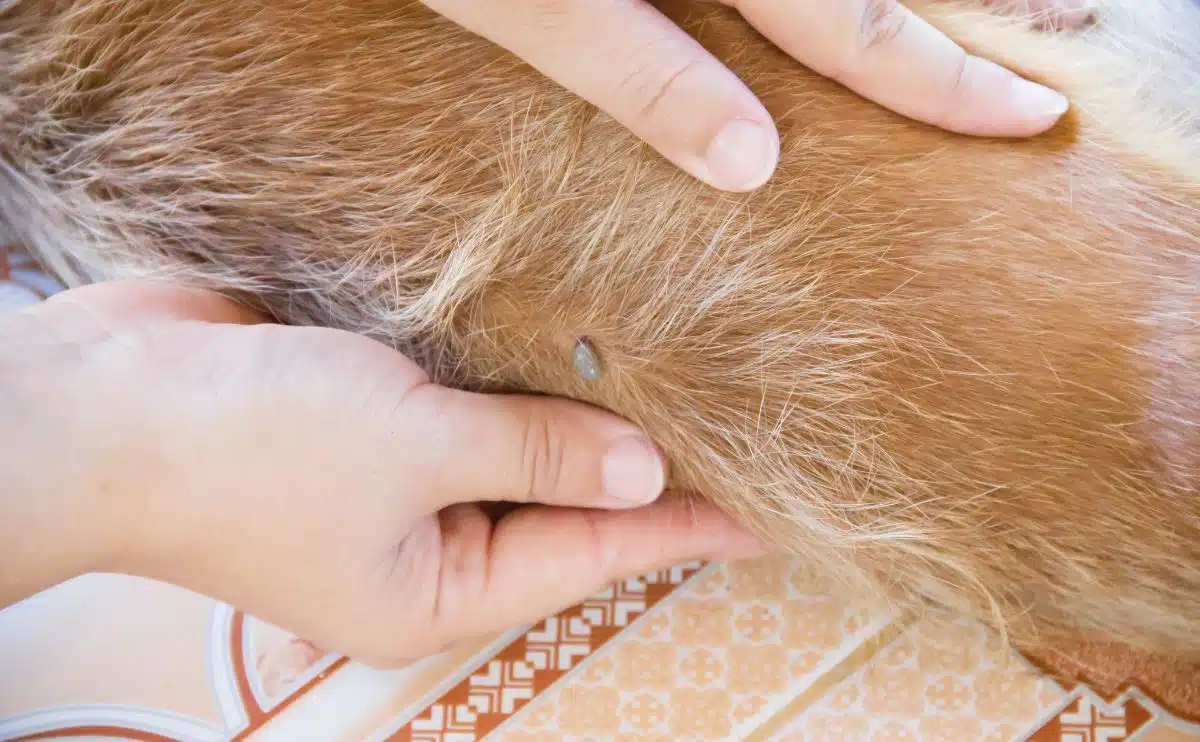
(629, 60)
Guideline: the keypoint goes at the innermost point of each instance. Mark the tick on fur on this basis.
(587, 363)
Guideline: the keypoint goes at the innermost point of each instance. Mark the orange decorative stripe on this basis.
(237, 634)
(122, 733)
(527, 667)
(254, 712)
(256, 716)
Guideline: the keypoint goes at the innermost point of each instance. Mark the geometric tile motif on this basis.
(1167, 682)
(1086, 718)
(485, 699)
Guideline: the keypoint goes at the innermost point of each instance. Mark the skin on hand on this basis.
(630, 61)
(314, 478)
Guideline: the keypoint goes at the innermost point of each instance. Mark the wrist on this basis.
(51, 526)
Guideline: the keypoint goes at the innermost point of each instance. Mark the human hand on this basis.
(317, 479)
(629, 60)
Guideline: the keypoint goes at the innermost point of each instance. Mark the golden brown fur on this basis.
(946, 370)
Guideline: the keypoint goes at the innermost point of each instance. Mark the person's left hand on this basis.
(316, 478)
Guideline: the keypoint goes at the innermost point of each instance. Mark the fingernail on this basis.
(1038, 101)
(741, 156)
(633, 471)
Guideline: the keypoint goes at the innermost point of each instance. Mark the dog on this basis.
(955, 374)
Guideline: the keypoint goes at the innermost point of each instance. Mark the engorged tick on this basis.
(587, 363)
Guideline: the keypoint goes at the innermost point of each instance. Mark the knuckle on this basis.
(605, 549)
(552, 14)
(542, 454)
(653, 84)
(958, 80)
(882, 21)
(952, 89)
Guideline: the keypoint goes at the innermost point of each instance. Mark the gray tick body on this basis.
(587, 363)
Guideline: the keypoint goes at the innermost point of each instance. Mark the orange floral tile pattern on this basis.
(711, 663)
(935, 683)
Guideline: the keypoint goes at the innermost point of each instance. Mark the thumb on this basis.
(530, 449)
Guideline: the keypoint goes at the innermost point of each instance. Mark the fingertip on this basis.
(742, 545)
(1041, 106)
(742, 155)
(732, 539)
(633, 471)
(994, 101)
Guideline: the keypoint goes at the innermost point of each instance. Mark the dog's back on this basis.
(956, 369)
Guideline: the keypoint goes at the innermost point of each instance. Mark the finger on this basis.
(531, 449)
(1058, 14)
(633, 63)
(152, 300)
(538, 560)
(886, 53)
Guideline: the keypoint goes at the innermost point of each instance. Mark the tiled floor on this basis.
(752, 651)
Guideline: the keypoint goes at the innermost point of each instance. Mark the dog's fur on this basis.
(946, 370)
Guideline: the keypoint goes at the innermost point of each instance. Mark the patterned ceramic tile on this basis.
(937, 683)
(142, 660)
(752, 651)
(1087, 716)
(522, 671)
(1169, 731)
(714, 662)
(1112, 672)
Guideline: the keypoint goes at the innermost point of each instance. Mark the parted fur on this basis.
(947, 371)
